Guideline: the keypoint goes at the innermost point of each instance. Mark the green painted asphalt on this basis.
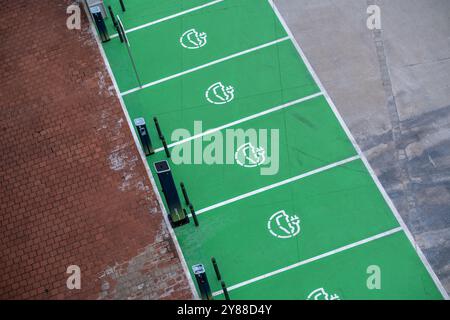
(261, 80)
(403, 276)
(309, 138)
(335, 207)
(157, 51)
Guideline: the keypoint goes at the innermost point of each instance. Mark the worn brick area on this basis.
(74, 190)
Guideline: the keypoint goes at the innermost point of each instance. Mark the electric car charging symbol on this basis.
(248, 156)
(219, 94)
(321, 294)
(192, 39)
(284, 226)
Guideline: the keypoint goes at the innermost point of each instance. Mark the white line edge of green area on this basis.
(242, 120)
(278, 184)
(313, 259)
(232, 56)
(176, 15)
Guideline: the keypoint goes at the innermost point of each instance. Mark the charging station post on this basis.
(177, 215)
(144, 136)
(202, 282)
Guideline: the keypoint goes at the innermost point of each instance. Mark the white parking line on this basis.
(169, 17)
(304, 262)
(254, 116)
(278, 184)
(205, 65)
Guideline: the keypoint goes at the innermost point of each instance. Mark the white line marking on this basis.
(144, 159)
(169, 17)
(304, 262)
(205, 65)
(361, 154)
(278, 184)
(254, 116)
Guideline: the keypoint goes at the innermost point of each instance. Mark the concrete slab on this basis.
(392, 87)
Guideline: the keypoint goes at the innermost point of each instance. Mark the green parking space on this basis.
(402, 276)
(299, 139)
(335, 208)
(261, 80)
(170, 48)
(141, 12)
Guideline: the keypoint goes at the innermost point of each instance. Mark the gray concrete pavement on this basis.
(392, 87)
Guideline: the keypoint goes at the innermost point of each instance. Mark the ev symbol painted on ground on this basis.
(284, 226)
(219, 94)
(321, 294)
(192, 39)
(249, 156)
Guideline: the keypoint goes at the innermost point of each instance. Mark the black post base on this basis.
(178, 223)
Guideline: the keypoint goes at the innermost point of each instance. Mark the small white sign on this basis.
(139, 122)
(96, 9)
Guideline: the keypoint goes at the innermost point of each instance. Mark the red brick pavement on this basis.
(73, 188)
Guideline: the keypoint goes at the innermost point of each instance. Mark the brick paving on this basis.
(73, 188)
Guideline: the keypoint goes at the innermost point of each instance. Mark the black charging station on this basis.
(97, 15)
(202, 282)
(177, 215)
(144, 136)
